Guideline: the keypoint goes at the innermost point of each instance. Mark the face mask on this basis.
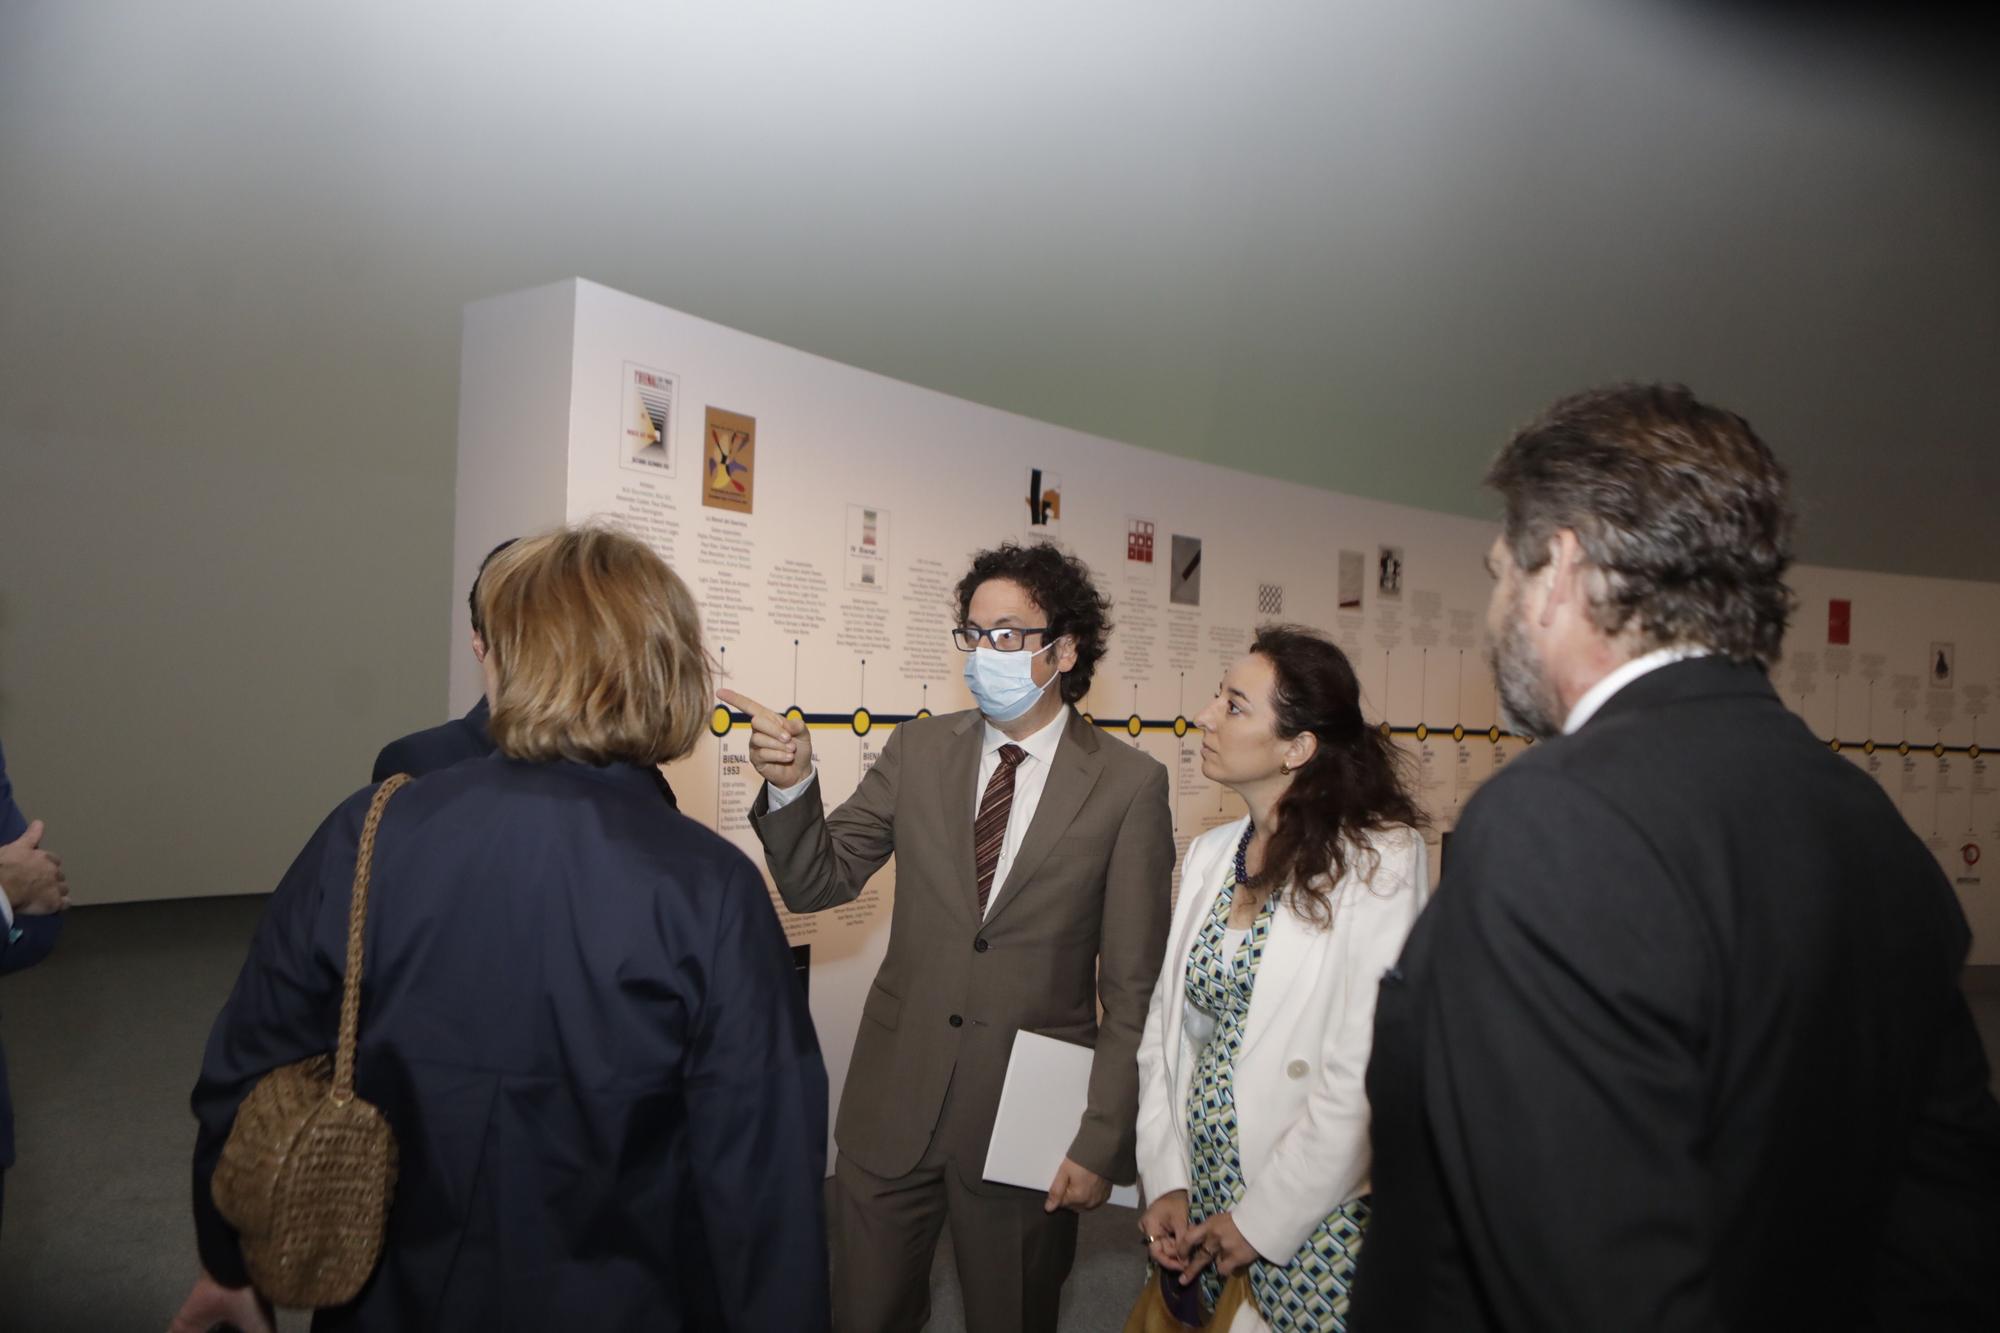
(1003, 684)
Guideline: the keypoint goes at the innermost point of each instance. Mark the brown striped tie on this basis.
(989, 830)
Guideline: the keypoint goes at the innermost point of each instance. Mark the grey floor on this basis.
(104, 1039)
(103, 1042)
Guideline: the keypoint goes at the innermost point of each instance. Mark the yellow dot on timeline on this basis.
(1493, 733)
(1423, 732)
(718, 721)
(795, 713)
(1180, 726)
(1938, 749)
(1868, 747)
(1834, 745)
(1133, 725)
(862, 722)
(1458, 731)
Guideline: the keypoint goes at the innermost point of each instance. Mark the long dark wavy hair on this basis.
(1354, 782)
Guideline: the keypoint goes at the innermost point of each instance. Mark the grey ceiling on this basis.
(1348, 243)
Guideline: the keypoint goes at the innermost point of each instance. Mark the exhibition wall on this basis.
(822, 514)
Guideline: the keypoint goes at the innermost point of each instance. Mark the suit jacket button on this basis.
(957, 1022)
(1296, 1069)
(980, 946)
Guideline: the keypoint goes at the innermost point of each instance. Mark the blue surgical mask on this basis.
(1003, 684)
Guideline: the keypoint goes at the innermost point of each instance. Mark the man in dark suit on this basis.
(33, 894)
(1679, 1044)
(462, 738)
(1034, 866)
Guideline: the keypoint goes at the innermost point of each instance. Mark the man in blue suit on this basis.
(451, 742)
(33, 894)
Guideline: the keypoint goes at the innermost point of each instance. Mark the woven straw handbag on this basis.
(309, 1168)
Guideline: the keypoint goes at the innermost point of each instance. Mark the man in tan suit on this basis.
(1033, 879)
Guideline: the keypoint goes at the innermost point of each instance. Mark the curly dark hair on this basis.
(1679, 504)
(1355, 782)
(1062, 588)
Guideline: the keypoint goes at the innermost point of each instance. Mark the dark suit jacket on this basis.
(581, 1019)
(1680, 1045)
(1082, 917)
(437, 747)
(25, 945)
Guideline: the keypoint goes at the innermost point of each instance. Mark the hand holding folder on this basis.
(1041, 1104)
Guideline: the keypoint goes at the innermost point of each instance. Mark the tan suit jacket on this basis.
(1082, 917)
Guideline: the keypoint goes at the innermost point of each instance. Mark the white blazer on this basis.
(1301, 1109)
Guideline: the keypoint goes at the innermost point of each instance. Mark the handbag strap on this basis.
(357, 919)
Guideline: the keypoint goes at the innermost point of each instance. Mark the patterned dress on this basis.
(1308, 1292)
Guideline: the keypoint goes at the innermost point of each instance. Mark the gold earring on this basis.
(1285, 768)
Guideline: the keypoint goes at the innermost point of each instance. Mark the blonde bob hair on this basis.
(597, 648)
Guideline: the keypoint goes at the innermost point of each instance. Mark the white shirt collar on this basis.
(1041, 745)
(1597, 695)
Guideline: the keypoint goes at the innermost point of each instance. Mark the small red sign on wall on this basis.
(1839, 619)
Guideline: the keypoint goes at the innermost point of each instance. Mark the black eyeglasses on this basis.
(1006, 639)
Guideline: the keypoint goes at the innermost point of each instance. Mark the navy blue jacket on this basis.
(437, 747)
(581, 1019)
(25, 945)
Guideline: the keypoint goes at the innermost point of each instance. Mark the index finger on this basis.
(763, 722)
(743, 703)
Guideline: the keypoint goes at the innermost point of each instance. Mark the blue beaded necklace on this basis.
(1243, 853)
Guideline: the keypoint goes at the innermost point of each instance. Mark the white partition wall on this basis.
(823, 513)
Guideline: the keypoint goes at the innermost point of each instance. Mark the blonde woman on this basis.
(579, 1014)
(1253, 1121)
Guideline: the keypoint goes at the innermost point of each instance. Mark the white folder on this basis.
(1047, 1088)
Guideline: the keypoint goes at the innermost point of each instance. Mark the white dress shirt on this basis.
(1030, 776)
(1599, 694)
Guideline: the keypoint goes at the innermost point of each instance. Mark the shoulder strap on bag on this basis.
(357, 919)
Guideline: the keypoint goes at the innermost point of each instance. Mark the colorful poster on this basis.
(729, 461)
(1044, 503)
(1139, 547)
(647, 442)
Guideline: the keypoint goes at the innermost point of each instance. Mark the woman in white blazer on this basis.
(1253, 1121)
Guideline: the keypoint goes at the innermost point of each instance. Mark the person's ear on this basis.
(1299, 751)
(478, 646)
(1559, 582)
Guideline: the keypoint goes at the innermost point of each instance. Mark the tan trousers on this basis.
(1012, 1257)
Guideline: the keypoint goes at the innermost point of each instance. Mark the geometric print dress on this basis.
(1308, 1292)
